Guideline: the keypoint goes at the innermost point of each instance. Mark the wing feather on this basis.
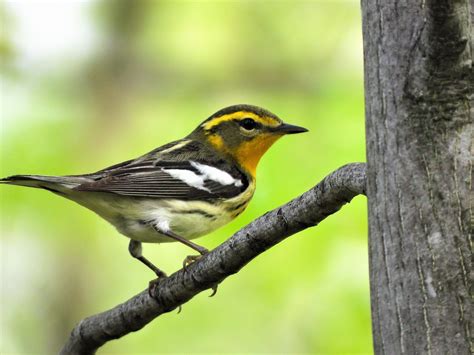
(164, 179)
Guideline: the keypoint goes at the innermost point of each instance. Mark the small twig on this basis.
(228, 258)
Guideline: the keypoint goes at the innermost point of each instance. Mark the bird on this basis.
(182, 190)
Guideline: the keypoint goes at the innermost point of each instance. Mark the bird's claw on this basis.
(153, 284)
(152, 287)
(192, 258)
(189, 260)
(214, 290)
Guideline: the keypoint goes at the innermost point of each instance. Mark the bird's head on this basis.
(244, 132)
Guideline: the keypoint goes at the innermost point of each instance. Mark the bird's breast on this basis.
(136, 217)
(189, 219)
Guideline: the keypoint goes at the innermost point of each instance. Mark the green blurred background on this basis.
(86, 84)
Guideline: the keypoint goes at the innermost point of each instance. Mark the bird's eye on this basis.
(248, 124)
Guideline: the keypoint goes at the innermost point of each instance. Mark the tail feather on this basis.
(51, 183)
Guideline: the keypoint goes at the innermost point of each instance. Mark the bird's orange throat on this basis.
(248, 154)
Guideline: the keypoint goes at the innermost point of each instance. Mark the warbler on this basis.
(182, 190)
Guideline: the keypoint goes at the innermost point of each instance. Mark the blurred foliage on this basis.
(7, 53)
(154, 71)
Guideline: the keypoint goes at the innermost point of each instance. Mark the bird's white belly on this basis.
(136, 218)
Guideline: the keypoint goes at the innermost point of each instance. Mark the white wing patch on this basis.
(206, 173)
(189, 177)
(220, 176)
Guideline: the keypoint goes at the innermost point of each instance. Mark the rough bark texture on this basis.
(304, 211)
(418, 82)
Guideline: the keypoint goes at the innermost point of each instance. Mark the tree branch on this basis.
(305, 211)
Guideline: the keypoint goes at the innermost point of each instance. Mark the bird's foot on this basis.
(153, 284)
(192, 258)
(189, 260)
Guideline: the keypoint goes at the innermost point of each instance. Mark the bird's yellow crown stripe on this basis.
(267, 121)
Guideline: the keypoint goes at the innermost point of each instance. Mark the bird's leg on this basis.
(135, 249)
(190, 258)
(201, 250)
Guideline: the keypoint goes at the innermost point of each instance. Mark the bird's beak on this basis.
(286, 128)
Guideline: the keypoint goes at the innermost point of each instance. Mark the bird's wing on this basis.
(188, 180)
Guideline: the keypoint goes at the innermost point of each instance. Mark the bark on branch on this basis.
(305, 211)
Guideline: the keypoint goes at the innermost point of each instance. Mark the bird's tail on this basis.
(58, 184)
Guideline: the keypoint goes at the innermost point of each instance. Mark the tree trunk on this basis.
(418, 82)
